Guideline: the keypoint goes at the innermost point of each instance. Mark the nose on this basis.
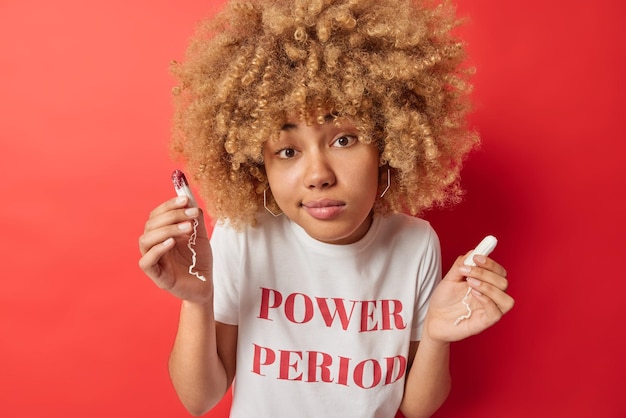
(319, 172)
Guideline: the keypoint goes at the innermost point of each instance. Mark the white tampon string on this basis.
(190, 244)
(466, 303)
(182, 189)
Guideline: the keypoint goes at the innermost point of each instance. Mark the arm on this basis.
(202, 362)
(428, 381)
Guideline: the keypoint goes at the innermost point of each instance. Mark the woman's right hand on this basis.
(165, 257)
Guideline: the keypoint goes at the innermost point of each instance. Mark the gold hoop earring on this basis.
(275, 215)
(388, 183)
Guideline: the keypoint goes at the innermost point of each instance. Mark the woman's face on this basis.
(324, 179)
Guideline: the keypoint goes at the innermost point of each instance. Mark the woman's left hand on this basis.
(487, 300)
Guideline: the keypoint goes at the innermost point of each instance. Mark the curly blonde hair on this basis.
(394, 68)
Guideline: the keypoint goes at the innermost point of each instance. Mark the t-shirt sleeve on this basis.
(428, 278)
(226, 250)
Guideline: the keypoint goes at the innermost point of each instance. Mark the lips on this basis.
(324, 209)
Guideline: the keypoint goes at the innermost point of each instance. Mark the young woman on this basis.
(314, 129)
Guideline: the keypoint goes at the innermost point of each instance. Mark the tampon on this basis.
(182, 189)
(485, 248)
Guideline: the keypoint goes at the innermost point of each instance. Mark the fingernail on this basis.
(476, 292)
(181, 199)
(465, 269)
(184, 226)
(167, 241)
(191, 211)
(473, 281)
(480, 258)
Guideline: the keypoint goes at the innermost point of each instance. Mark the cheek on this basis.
(369, 173)
(286, 181)
(281, 181)
(271, 170)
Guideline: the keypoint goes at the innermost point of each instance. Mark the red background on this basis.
(84, 122)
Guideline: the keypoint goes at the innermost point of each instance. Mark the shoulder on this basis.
(405, 220)
(267, 228)
(408, 236)
(405, 226)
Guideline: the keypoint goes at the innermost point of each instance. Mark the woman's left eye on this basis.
(344, 141)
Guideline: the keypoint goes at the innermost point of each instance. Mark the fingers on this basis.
(149, 262)
(171, 211)
(168, 224)
(169, 220)
(496, 280)
(486, 269)
(488, 279)
(484, 261)
(488, 282)
(486, 292)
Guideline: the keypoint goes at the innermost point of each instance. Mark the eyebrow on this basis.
(291, 126)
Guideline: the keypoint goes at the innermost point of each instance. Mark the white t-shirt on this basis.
(323, 329)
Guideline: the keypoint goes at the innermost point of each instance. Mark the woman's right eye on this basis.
(286, 153)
